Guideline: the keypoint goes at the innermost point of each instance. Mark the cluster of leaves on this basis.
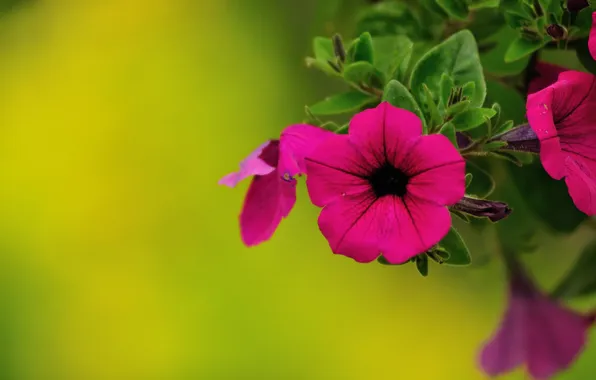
(463, 67)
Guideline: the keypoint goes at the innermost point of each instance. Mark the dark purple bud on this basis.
(557, 32)
(522, 138)
(338, 47)
(482, 208)
(577, 5)
(462, 140)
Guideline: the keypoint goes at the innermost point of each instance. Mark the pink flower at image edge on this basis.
(562, 116)
(272, 192)
(384, 187)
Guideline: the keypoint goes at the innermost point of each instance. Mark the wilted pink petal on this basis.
(592, 38)
(251, 165)
(536, 331)
(563, 118)
(384, 187)
(272, 192)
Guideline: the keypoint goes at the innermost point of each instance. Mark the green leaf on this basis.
(479, 4)
(457, 108)
(391, 18)
(457, 9)
(448, 130)
(472, 118)
(506, 126)
(343, 130)
(493, 60)
(457, 57)
(330, 126)
(580, 280)
(358, 72)
(469, 178)
(342, 103)
(522, 47)
(546, 197)
(398, 95)
(494, 145)
(465, 218)
(363, 50)
(323, 49)
(468, 90)
(392, 56)
(323, 66)
(422, 264)
(512, 103)
(483, 184)
(445, 86)
(434, 118)
(507, 157)
(498, 110)
(455, 245)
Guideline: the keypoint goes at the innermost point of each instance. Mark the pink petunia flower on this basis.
(272, 192)
(536, 331)
(384, 186)
(563, 118)
(592, 37)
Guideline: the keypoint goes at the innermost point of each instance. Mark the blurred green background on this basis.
(120, 255)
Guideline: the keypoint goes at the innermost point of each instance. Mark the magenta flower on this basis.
(535, 331)
(272, 192)
(384, 186)
(592, 37)
(562, 117)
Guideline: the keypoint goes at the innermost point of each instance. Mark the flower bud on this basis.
(557, 32)
(338, 48)
(522, 138)
(577, 5)
(492, 210)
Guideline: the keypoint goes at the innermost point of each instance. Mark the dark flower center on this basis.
(388, 180)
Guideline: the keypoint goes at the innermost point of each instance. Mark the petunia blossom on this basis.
(272, 192)
(563, 119)
(384, 186)
(536, 331)
(592, 37)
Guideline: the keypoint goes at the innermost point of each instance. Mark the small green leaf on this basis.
(398, 95)
(483, 184)
(323, 49)
(493, 60)
(342, 103)
(363, 50)
(448, 130)
(457, 57)
(522, 47)
(506, 126)
(469, 178)
(433, 112)
(422, 264)
(358, 72)
(445, 86)
(479, 4)
(457, 9)
(343, 130)
(455, 245)
(323, 66)
(330, 126)
(392, 55)
(465, 218)
(497, 108)
(468, 90)
(472, 118)
(494, 145)
(438, 254)
(457, 108)
(580, 280)
(508, 157)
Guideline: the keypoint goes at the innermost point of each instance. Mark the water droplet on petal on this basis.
(343, 194)
(287, 177)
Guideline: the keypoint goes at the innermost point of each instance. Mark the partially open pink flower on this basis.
(592, 38)
(536, 331)
(563, 117)
(543, 75)
(272, 192)
(384, 186)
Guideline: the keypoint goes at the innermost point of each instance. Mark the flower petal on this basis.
(269, 199)
(335, 168)
(581, 183)
(545, 75)
(295, 143)
(432, 153)
(592, 38)
(506, 350)
(254, 164)
(555, 336)
(350, 225)
(412, 227)
(382, 134)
